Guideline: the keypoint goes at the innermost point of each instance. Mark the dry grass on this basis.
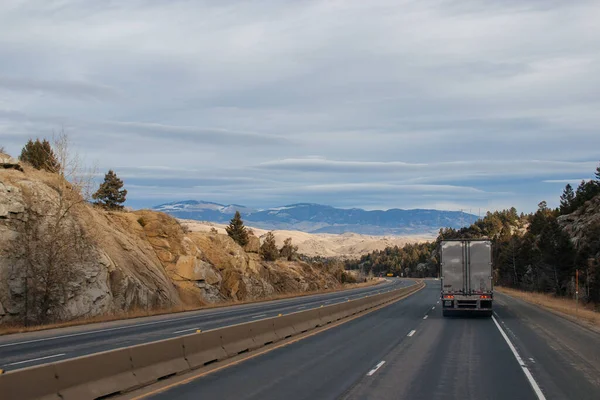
(9, 329)
(561, 306)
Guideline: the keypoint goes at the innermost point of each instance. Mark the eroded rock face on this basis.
(136, 260)
(253, 245)
(12, 205)
(578, 223)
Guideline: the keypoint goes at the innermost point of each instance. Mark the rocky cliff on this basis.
(120, 261)
(582, 225)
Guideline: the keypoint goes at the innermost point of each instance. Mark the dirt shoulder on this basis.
(565, 308)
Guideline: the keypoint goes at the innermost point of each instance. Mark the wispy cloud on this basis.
(78, 89)
(381, 103)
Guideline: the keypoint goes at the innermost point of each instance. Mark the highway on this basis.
(407, 350)
(34, 348)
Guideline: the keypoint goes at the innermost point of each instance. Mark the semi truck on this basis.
(466, 277)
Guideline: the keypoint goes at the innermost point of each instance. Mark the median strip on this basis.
(118, 371)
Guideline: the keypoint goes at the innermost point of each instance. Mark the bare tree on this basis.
(288, 251)
(72, 168)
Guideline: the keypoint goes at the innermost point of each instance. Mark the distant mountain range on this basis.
(317, 218)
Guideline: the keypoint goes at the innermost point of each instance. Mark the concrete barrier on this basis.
(263, 332)
(203, 348)
(158, 360)
(306, 320)
(30, 383)
(102, 374)
(238, 339)
(327, 314)
(345, 310)
(283, 326)
(96, 375)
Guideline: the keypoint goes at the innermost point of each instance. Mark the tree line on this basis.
(530, 252)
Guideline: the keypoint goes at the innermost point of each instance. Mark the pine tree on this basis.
(597, 174)
(237, 231)
(268, 249)
(566, 200)
(109, 195)
(40, 155)
(288, 251)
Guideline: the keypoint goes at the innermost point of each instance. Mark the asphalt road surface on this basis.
(28, 349)
(407, 350)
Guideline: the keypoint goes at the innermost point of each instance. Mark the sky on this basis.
(473, 105)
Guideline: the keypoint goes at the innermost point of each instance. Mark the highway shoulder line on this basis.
(532, 382)
(371, 372)
(36, 359)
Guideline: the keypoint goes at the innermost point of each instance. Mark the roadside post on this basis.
(577, 293)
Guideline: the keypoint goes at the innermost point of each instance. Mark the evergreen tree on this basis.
(566, 200)
(237, 231)
(288, 251)
(109, 195)
(268, 249)
(597, 174)
(40, 155)
(585, 191)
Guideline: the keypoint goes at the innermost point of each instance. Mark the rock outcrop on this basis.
(7, 162)
(135, 260)
(582, 222)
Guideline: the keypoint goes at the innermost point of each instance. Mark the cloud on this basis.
(78, 89)
(446, 170)
(189, 133)
(381, 103)
(573, 181)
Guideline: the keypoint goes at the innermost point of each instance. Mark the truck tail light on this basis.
(485, 296)
(448, 296)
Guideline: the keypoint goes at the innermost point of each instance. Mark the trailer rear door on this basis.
(452, 267)
(480, 266)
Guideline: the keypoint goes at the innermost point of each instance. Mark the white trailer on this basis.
(466, 276)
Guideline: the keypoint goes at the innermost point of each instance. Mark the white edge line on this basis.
(187, 330)
(526, 371)
(371, 372)
(411, 333)
(37, 359)
(425, 317)
(259, 316)
(301, 308)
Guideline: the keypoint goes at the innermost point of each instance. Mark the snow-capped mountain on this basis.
(317, 218)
